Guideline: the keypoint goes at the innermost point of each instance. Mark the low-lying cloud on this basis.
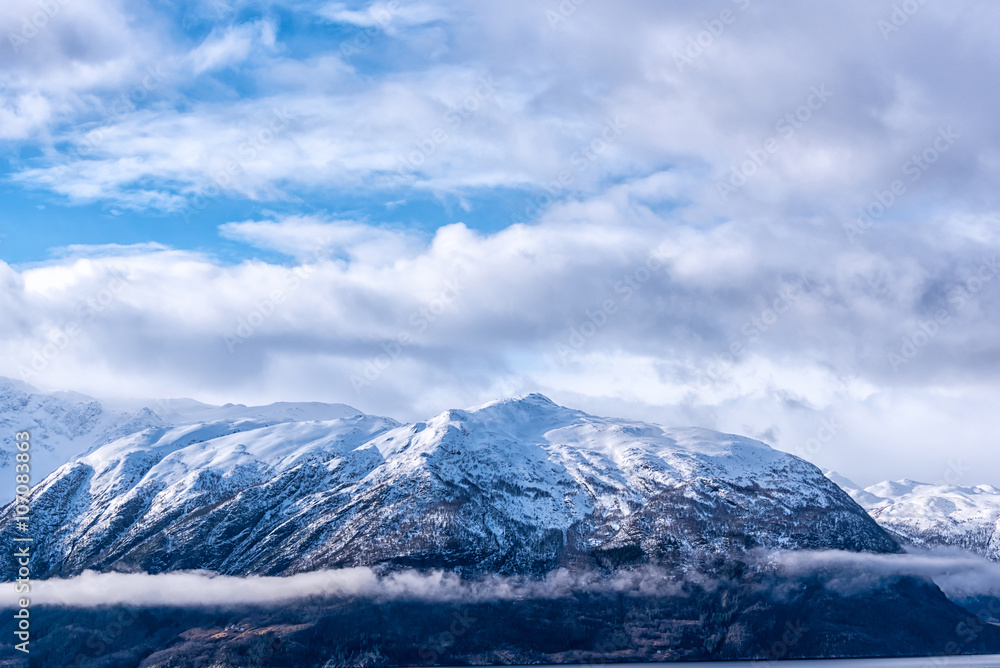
(206, 589)
(958, 574)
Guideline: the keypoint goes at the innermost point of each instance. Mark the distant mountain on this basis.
(926, 515)
(519, 486)
(62, 424)
(65, 425)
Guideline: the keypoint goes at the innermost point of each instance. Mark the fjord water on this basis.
(981, 661)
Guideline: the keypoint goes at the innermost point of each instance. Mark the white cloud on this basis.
(556, 88)
(307, 238)
(488, 98)
(508, 312)
(61, 59)
(223, 48)
(205, 589)
(385, 16)
(957, 573)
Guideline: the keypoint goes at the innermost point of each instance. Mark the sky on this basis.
(772, 219)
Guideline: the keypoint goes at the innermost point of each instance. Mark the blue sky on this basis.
(245, 40)
(749, 216)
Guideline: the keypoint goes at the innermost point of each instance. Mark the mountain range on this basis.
(513, 487)
(926, 515)
(517, 488)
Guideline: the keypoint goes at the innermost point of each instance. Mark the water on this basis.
(981, 661)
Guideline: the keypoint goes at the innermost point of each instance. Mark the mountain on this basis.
(65, 425)
(624, 541)
(926, 515)
(519, 486)
(62, 425)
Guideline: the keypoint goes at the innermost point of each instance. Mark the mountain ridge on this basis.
(926, 515)
(518, 485)
(65, 425)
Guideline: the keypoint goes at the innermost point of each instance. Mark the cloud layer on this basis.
(204, 589)
(856, 360)
(958, 574)
(772, 220)
(451, 98)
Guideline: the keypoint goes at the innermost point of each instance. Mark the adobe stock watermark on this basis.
(22, 544)
(453, 119)
(364, 37)
(779, 649)
(954, 473)
(714, 28)
(597, 318)
(563, 11)
(98, 642)
(59, 339)
(419, 322)
(32, 25)
(967, 631)
(102, 642)
(786, 127)
(438, 644)
(827, 431)
(750, 331)
(914, 168)
(579, 162)
(265, 307)
(121, 107)
(247, 150)
(958, 298)
(901, 14)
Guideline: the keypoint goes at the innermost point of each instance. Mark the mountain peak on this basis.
(537, 397)
(18, 385)
(937, 514)
(843, 482)
(524, 401)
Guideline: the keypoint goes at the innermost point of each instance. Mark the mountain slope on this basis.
(516, 486)
(926, 515)
(65, 425)
(62, 425)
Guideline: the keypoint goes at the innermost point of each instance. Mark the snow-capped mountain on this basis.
(62, 424)
(514, 486)
(926, 515)
(65, 425)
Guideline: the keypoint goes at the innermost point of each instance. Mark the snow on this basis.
(62, 424)
(314, 477)
(926, 514)
(67, 425)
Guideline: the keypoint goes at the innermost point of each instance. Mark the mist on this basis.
(206, 589)
(958, 573)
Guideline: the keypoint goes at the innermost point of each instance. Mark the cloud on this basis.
(602, 304)
(204, 589)
(225, 47)
(558, 146)
(62, 60)
(382, 15)
(554, 96)
(305, 237)
(959, 574)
